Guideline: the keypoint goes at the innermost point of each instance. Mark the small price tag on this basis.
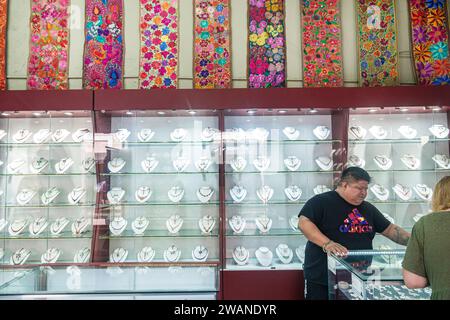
(357, 286)
(332, 265)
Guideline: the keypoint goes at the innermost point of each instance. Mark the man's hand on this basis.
(336, 249)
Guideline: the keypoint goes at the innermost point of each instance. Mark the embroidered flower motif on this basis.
(435, 3)
(439, 51)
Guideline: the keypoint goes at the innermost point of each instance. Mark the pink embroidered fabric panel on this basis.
(159, 44)
(49, 46)
(267, 50)
(3, 19)
(103, 48)
(429, 32)
(322, 53)
(212, 55)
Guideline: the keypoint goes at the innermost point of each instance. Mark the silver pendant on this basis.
(16, 227)
(117, 225)
(76, 195)
(14, 167)
(115, 195)
(324, 163)
(142, 194)
(41, 136)
(238, 193)
(38, 165)
(355, 161)
(439, 131)
(145, 135)
(63, 165)
(383, 162)
(172, 254)
(146, 254)
(175, 194)
(116, 164)
(403, 192)
(442, 161)
(22, 136)
(58, 225)
(88, 164)
(264, 224)
(118, 255)
(203, 164)
(292, 163)
(60, 135)
(284, 253)
(291, 133)
(407, 132)
(237, 224)
(20, 257)
(204, 194)
(50, 195)
(293, 193)
(79, 226)
(423, 191)
(241, 255)
(200, 253)
(358, 132)
(122, 135)
(82, 256)
(180, 164)
(139, 225)
(81, 134)
(206, 224)
(238, 164)
(410, 161)
(210, 134)
(178, 135)
(264, 193)
(38, 226)
(378, 132)
(149, 164)
(25, 196)
(321, 189)
(261, 163)
(174, 223)
(264, 256)
(380, 192)
(51, 255)
(321, 132)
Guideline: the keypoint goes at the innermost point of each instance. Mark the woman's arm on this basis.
(414, 281)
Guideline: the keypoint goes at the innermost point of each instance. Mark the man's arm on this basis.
(396, 234)
(313, 234)
(414, 281)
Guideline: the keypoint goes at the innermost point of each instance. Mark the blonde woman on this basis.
(427, 258)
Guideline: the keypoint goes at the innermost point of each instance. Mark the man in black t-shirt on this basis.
(337, 221)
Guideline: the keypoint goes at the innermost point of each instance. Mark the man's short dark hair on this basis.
(355, 174)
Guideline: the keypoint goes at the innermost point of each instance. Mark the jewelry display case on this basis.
(159, 186)
(47, 186)
(106, 282)
(370, 275)
(275, 160)
(406, 152)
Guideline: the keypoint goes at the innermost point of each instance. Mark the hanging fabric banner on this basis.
(429, 35)
(49, 46)
(377, 37)
(3, 20)
(322, 54)
(212, 45)
(159, 44)
(267, 50)
(103, 48)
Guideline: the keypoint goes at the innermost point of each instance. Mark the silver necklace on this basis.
(174, 223)
(293, 193)
(238, 164)
(58, 225)
(22, 135)
(238, 193)
(180, 164)
(261, 163)
(237, 224)
(204, 194)
(82, 256)
(178, 135)
(79, 226)
(149, 164)
(20, 256)
(210, 134)
(200, 253)
(284, 253)
(264, 256)
(206, 223)
(264, 193)
(143, 193)
(321, 132)
(292, 163)
(263, 223)
(117, 225)
(122, 134)
(203, 164)
(63, 165)
(172, 254)
(175, 194)
(17, 226)
(241, 255)
(38, 165)
(139, 225)
(41, 136)
(116, 164)
(50, 195)
(80, 134)
(88, 164)
(145, 135)
(38, 226)
(291, 133)
(76, 194)
(115, 195)
(51, 255)
(25, 196)
(118, 255)
(146, 254)
(60, 135)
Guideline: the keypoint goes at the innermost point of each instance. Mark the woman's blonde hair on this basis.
(441, 195)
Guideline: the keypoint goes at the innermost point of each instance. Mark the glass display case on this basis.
(106, 282)
(406, 151)
(370, 275)
(47, 186)
(275, 160)
(159, 186)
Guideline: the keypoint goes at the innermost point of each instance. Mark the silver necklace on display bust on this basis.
(241, 255)
(200, 253)
(139, 225)
(58, 225)
(60, 135)
(41, 136)
(143, 193)
(76, 195)
(284, 253)
(175, 194)
(174, 223)
(145, 135)
(149, 164)
(292, 163)
(264, 256)
(146, 254)
(172, 254)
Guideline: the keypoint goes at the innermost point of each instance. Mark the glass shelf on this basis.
(168, 143)
(259, 203)
(47, 174)
(156, 173)
(397, 141)
(271, 233)
(282, 172)
(190, 233)
(146, 204)
(253, 264)
(47, 236)
(409, 170)
(62, 144)
(307, 142)
(61, 205)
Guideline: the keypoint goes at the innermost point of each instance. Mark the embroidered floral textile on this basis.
(159, 44)
(429, 33)
(377, 35)
(212, 56)
(3, 19)
(267, 49)
(103, 48)
(49, 46)
(322, 54)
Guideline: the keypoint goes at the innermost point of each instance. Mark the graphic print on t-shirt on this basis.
(355, 223)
